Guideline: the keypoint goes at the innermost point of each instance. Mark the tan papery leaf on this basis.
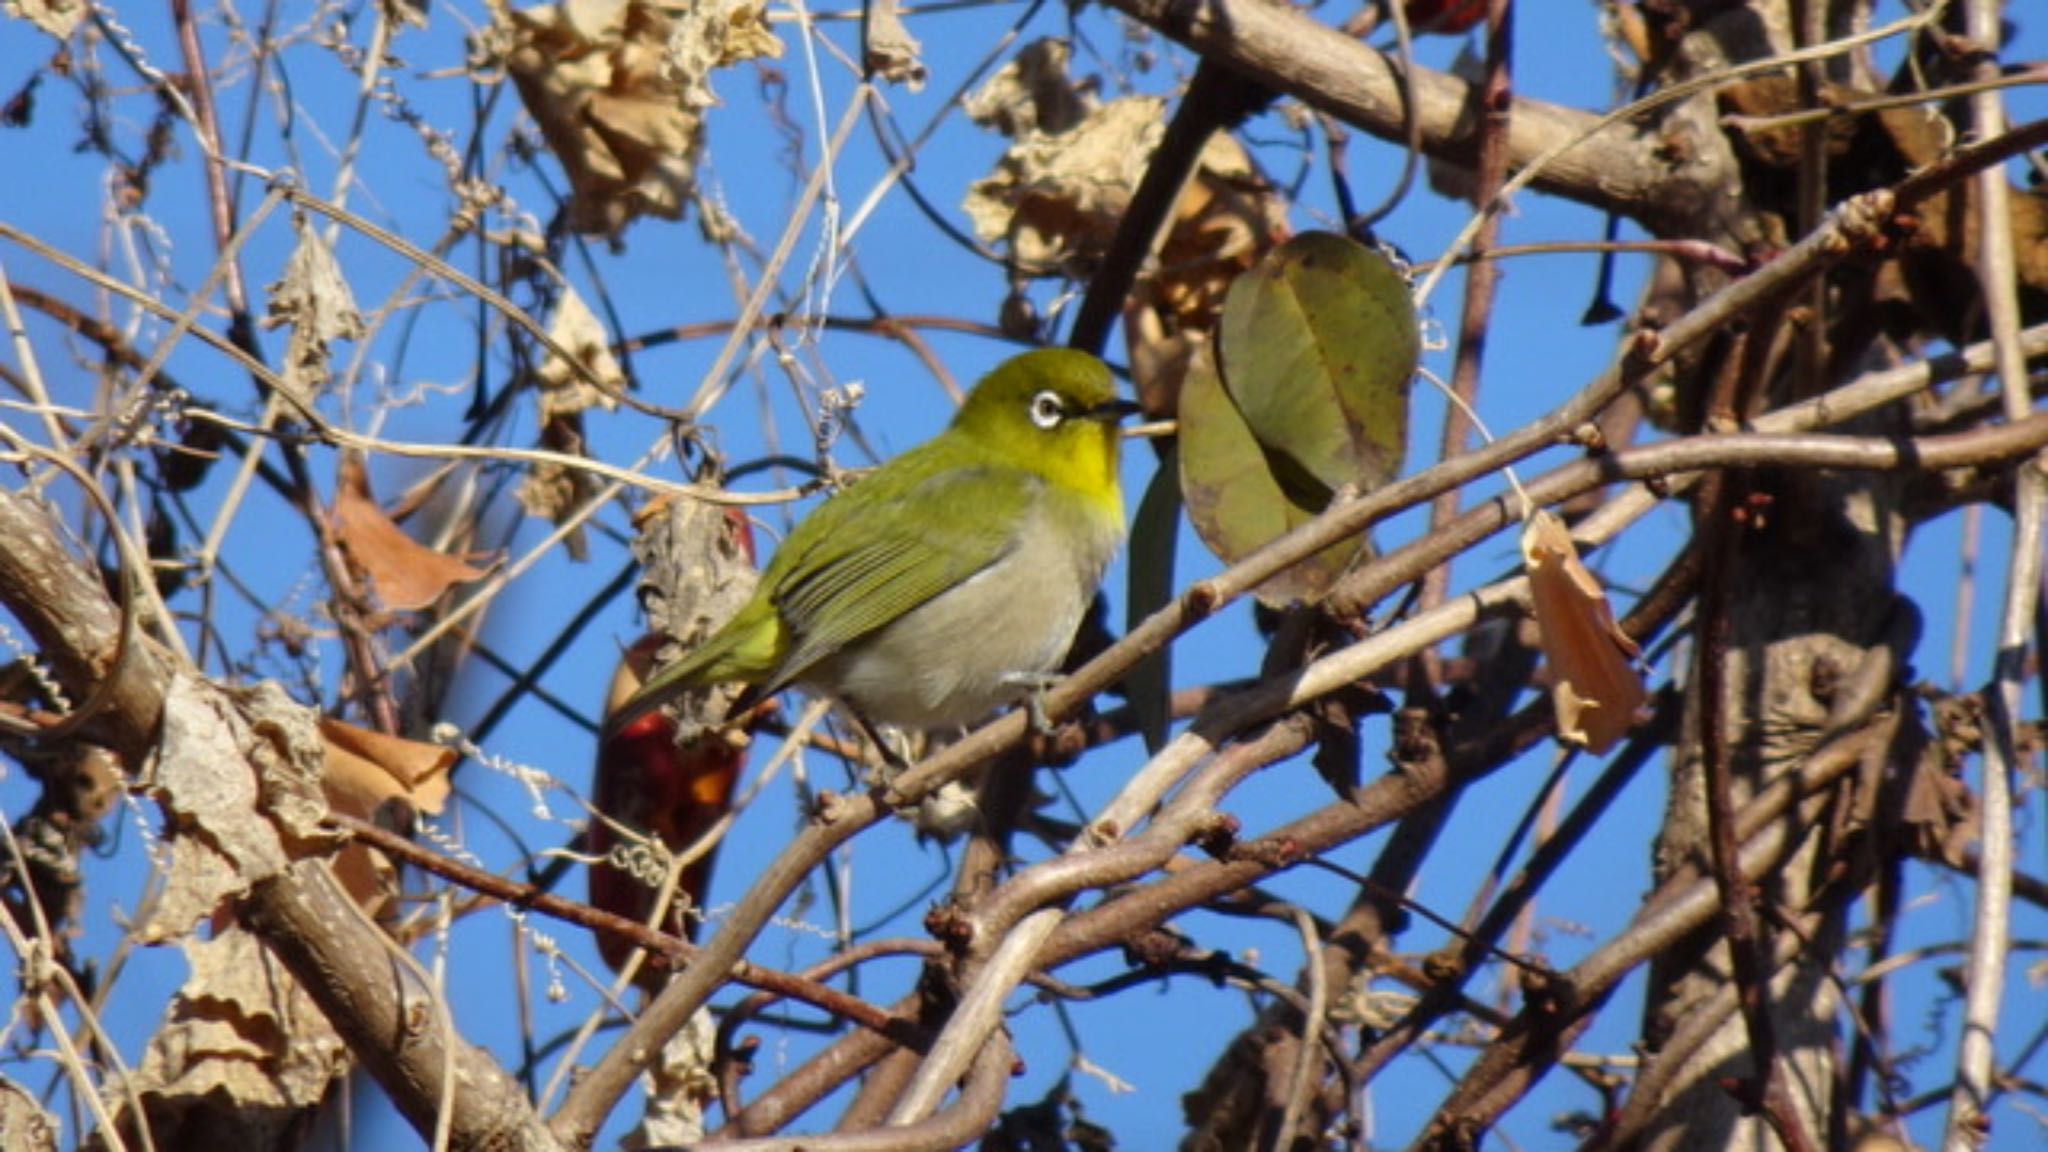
(1593, 680)
(237, 774)
(365, 768)
(565, 391)
(60, 18)
(1057, 196)
(243, 1047)
(24, 1125)
(619, 91)
(313, 297)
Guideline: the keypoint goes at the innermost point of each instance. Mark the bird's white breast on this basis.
(971, 649)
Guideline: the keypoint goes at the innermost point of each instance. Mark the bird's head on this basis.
(1054, 411)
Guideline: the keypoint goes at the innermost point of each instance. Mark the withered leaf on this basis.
(1940, 810)
(1593, 680)
(314, 298)
(1228, 219)
(60, 18)
(405, 574)
(243, 1045)
(1031, 93)
(237, 775)
(564, 390)
(366, 769)
(619, 91)
(1056, 198)
(23, 1123)
(888, 49)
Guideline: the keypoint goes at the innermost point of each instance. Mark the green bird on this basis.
(949, 581)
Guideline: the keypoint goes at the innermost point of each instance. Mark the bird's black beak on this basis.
(1112, 411)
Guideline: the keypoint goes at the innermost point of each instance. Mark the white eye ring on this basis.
(1047, 410)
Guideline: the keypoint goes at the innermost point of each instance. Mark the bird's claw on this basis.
(1034, 702)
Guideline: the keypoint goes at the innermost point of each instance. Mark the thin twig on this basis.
(1984, 974)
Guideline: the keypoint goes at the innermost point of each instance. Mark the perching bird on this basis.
(950, 580)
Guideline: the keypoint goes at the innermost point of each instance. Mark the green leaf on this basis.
(1154, 534)
(1317, 344)
(1235, 501)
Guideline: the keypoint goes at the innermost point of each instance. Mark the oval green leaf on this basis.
(1234, 498)
(1317, 346)
(1318, 343)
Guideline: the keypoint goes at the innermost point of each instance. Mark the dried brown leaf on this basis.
(244, 1050)
(619, 92)
(564, 390)
(554, 491)
(1031, 93)
(551, 492)
(237, 774)
(24, 1125)
(60, 18)
(365, 770)
(405, 13)
(888, 49)
(1228, 218)
(1056, 198)
(1593, 680)
(314, 298)
(1940, 810)
(405, 574)
(714, 34)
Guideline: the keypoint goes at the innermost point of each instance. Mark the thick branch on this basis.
(391, 1021)
(1618, 168)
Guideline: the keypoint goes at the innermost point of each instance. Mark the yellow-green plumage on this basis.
(935, 589)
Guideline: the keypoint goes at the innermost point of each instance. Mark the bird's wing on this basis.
(907, 554)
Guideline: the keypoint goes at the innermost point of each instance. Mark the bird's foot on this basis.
(1034, 702)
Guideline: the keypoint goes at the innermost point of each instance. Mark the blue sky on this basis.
(666, 274)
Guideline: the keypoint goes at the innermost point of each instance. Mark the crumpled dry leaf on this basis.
(60, 18)
(24, 1126)
(712, 34)
(404, 574)
(314, 298)
(1031, 93)
(1228, 218)
(237, 774)
(552, 491)
(564, 391)
(244, 1050)
(365, 770)
(403, 13)
(1593, 681)
(1940, 812)
(1057, 196)
(619, 91)
(680, 1084)
(888, 49)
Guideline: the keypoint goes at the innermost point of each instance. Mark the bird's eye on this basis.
(1047, 410)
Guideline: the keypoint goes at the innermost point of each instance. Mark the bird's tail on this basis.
(747, 650)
